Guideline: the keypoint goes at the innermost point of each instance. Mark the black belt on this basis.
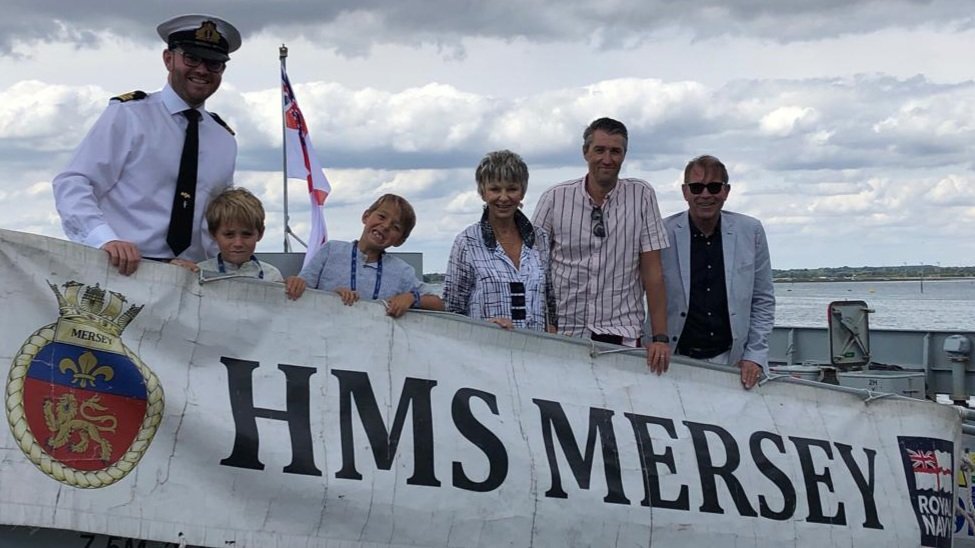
(611, 339)
(701, 353)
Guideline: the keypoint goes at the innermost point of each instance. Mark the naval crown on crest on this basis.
(91, 306)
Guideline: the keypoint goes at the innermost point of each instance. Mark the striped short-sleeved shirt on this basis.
(596, 280)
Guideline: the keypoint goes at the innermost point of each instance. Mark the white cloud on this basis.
(784, 121)
(48, 116)
(465, 202)
(952, 191)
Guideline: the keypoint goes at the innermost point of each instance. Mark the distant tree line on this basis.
(843, 273)
(851, 273)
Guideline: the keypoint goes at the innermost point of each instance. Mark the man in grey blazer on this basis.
(720, 298)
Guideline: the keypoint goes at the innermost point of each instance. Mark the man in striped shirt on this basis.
(605, 240)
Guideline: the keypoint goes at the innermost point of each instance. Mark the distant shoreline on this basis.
(845, 274)
(903, 273)
(872, 279)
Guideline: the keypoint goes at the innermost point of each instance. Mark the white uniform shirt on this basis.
(120, 183)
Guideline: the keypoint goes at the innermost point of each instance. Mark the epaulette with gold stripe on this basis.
(131, 96)
(220, 121)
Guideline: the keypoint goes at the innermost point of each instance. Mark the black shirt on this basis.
(707, 330)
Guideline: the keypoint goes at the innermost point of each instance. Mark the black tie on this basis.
(181, 219)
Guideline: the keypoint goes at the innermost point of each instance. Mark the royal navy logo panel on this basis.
(929, 470)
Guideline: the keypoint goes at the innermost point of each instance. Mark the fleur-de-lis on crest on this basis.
(85, 371)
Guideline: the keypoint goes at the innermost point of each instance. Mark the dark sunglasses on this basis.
(598, 228)
(194, 61)
(713, 188)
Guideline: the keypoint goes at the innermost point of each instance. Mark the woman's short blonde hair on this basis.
(501, 166)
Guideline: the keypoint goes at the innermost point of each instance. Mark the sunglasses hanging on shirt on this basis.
(598, 227)
(518, 311)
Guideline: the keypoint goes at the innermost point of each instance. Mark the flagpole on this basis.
(283, 56)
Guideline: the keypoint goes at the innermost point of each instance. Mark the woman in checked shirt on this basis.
(498, 267)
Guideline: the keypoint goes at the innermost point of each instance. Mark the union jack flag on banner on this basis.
(302, 163)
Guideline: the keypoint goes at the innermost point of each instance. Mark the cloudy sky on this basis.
(848, 127)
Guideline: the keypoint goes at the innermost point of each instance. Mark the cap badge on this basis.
(208, 33)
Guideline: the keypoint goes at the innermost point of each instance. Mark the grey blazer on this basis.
(748, 281)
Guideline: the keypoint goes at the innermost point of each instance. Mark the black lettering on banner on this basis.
(812, 481)
(774, 474)
(111, 541)
(600, 420)
(649, 461)
(297, 414)
(479, 435)
(865, 485)
(709, 472)
(355, 385)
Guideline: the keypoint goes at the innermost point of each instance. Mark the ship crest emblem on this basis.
(82, 406)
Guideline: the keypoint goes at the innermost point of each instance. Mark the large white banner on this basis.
(222, 414)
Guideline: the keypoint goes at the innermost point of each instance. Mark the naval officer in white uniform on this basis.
(139, 183)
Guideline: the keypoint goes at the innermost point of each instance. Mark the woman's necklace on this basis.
(506, 237)
(510, 243)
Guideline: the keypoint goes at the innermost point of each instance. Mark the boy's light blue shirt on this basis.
(331, 268)
(250, 269)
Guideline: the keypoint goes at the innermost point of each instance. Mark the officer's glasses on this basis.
(194, 61)
(598, 228)
(713, 188)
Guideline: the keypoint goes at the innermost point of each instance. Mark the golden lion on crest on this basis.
(62, 420)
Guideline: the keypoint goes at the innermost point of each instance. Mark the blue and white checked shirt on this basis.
(483, 283)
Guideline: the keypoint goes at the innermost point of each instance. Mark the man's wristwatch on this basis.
(660, 337)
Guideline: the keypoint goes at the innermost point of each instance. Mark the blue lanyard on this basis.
(379, 270)
(223, 269)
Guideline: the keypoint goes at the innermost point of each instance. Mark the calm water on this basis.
(942, 305)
